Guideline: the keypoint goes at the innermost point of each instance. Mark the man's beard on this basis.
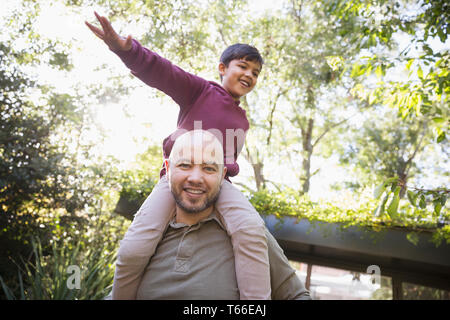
(194, 209)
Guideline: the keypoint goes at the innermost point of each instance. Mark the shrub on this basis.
(49, 276)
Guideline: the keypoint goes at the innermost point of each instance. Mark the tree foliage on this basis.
(48, 187)
(425, 89)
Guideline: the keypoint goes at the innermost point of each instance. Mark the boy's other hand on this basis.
(109, 36)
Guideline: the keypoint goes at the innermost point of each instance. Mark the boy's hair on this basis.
(241, 51)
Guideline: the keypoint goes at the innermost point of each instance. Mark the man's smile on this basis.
(194, 192)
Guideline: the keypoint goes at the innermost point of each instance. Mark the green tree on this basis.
(30, 165)
(423, 89)
(318, 102)
(51, 184)
(386, 146)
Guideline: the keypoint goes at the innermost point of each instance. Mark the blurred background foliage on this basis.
(362, 82)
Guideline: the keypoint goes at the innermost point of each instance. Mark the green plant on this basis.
(47, 277)
(418, 198)
(362, 213)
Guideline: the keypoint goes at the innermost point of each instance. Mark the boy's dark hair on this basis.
(239, 51)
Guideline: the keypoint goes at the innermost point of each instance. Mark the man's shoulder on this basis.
(270, 237)
(276, 253)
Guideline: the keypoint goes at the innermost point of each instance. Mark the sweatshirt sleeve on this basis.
(183, 87)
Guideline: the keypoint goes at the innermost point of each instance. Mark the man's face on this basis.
(195, 187)
(240, 77)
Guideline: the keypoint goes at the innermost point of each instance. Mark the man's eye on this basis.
(184, 165)
(210, 169)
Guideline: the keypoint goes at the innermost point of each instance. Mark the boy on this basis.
(216, 107)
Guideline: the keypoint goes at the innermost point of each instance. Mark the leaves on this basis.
(379, 190)
(441, 137)
(418, 198)
(420, 73)
(437, 206)
(412, 197)
(393, 206)
(409, 63)
(421, 92)
(50, 181)
(335, 62)
(422, 202)
(379, 211)
(379, 71)
(413, 237)
(46, 278)
(290, 203)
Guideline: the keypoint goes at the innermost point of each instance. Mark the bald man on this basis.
(195, 259)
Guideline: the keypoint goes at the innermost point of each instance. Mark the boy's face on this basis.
(240, 77)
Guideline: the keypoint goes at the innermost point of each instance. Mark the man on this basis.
(195, 259)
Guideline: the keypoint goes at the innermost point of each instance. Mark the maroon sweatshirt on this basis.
(203, 104)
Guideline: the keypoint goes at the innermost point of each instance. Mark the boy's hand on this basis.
(109, 36)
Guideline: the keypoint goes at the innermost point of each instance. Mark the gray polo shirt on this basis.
(197, 263)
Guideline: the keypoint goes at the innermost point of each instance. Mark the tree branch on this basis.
(272, 111)
(244, 186)
(408, 162)
(336, 125)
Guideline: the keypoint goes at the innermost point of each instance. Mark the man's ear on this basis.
(224, 173)
(166, 164)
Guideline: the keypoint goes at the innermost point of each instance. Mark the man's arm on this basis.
(284, 282)
(157, 72)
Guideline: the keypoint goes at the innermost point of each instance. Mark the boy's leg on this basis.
(247, 231)
(141, 239)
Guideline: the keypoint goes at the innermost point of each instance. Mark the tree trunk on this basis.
(306, 173)
(307, 153)
(403, 179)
(259, 176)
(403, 171)
(308, 277)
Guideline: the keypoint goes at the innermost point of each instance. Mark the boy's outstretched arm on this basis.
(113, 40)
(157, 72)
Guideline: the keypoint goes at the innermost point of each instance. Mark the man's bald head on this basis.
(199, 147)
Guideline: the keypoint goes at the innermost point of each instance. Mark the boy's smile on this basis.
(240, 77)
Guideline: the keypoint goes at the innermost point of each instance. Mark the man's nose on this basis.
(195, 174)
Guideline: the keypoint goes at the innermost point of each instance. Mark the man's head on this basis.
(196, 170)
(239, 68)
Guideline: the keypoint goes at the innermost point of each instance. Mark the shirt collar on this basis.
(213, 216)
(238, 102)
